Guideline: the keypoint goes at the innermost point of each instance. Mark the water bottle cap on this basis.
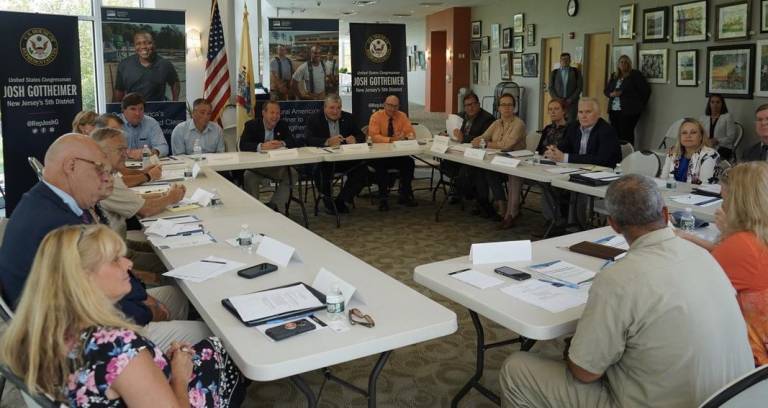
(244, 226)
(688, 209)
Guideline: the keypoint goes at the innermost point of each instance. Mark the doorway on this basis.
(437, 69)
(598, 51)
(551, 50)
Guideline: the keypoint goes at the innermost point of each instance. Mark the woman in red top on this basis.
(743, 247)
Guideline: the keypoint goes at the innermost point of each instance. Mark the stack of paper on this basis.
(204, 269)
(564, 272)
(602, 175)
(548, 297)
(181, 241)
(696, 199)
(452, 123)
(177, 219)
(274, 302)
(477, 279)
(164, 228)
(563, 170)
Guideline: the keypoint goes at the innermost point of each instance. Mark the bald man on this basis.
(309, 78)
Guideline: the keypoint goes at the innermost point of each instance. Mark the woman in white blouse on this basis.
(691, 160)
(719, 126)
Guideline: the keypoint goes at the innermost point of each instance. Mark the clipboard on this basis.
(287, 315)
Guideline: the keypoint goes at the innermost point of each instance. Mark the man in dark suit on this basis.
(330, 128)
(759, 151)
(566, 83)
(263, 134)
(75, 177)
(590, 141)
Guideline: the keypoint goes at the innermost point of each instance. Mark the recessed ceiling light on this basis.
(363, 3)
(430, 3)
(402, 15)
(348, 13)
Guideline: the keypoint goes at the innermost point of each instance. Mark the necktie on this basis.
(86, 217)
(311, 78)
(391, 127)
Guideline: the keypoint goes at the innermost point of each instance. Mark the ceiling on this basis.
(379, 11)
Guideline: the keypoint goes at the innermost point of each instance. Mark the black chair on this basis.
(750, 390)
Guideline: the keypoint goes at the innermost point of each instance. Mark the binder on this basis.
(581, 179)
(597, 250)
(287, 315)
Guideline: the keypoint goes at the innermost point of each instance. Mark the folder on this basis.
(287, 315)
(597, 250)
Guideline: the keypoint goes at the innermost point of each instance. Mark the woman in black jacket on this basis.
(628, 93)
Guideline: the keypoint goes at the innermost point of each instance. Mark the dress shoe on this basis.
(383, 205)
(407, 201)
(341, 206)
(508, 221)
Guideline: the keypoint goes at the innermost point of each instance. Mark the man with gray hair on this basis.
(591, 140)
(661, 326)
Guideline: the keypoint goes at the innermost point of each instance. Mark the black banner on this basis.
(41, 91)
(378, 67)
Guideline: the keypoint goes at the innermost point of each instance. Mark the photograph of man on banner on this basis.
(303, 65)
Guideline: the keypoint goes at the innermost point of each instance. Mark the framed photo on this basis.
(689, 22)
(506, 38)
(626, 22)
(505, 63)
(475, 65)
(517, 43)
(764, 16)
(518, 24)
(730, 70)
(655, 24)
(531, 65)
(732, 21)
(517, 66)
(630, 50)
(687, 68)
(495, 35)
(477, 29)
(653, 64)
(530, 35)
(761, 73)
(485, 44)
(485, 70)
(475, 49)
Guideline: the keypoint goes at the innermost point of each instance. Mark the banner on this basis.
(145, 52)
(41, 91)
(378, 53)
(304, 68)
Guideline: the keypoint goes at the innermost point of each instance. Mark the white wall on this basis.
(416, 34)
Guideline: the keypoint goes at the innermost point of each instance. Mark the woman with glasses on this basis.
(742, 249)
(69, 341)
(691, 160)
(506, 134)
(628, 93)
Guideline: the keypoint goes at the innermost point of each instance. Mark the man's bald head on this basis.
(76, 164)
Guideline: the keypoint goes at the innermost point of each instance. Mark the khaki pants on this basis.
(531, 380)
(177, 328)
(283, 176)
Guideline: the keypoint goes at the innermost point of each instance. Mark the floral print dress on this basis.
(103, 352)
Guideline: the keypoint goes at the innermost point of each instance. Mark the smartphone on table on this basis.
(512, 273)
(258, 270)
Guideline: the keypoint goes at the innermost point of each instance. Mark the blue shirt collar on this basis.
(68, 199)
(193, 127)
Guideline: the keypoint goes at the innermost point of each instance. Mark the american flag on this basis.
(217, 89)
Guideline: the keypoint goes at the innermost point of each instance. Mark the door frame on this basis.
(544, 72)
(585, 63)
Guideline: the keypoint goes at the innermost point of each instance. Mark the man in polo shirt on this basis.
(661, 327)
(309, 78)
(140, 129)
(280, 73)
(198, 129)
(759, 151)
(386, 126)
(146, 72)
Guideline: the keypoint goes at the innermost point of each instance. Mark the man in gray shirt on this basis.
(146, 72)
(141, 130)
(661, 326)
(198, 129)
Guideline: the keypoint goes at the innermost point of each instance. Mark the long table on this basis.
(403, 316)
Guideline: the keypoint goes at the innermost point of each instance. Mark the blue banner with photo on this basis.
(41, 91)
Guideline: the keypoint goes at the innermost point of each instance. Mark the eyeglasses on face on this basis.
(392, 105)
(470, 104)
(506, 105)
(358, 317)
(100, 167)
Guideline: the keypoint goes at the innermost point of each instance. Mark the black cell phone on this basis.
(258, 270)
(547, 161)
(289, 329)
(512, 273)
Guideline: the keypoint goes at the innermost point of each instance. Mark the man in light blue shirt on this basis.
(140, 129)
(198, 128)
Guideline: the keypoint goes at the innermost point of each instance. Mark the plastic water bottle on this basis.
(617, 170)
(368, 140)
(687, 221)
(197, 150)
(483, 144)
(216, 199)
(671, 182)
(334, 304)
(244, 238)
(146, 157)
(536, 157)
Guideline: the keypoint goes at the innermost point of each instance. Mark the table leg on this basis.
(369, 394)
(474, 382)
(298, 201)
(304, 388)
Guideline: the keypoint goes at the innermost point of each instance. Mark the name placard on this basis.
(355, 148)
(283, 153)
(505, 161)
(406, 144)
(476, 154)
(440, 144)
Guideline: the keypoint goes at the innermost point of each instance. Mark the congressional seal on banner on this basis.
(378, 48)
(39, 46)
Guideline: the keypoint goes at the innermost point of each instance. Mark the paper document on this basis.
(477, 279)
(274, 302)
(519, 153)
(172, 175)
(602, 175)
(710, 188)
(546, 296)
(151, 189)
(564, 170)
(181, 241)
(177, 219)
(696, 199)
(164, 228)
(461, 147)
(204, 269)
(616, 241)
(452, 123)
(201, 197)
(561, 271)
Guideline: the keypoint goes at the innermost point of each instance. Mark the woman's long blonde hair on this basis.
(746, 204)
(83, 118)
(677, 149)
(58, 302)
(618, 73)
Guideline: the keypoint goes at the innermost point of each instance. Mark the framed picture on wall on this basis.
(655, 21)
(530, 35)
(505, 63)
(764, 16)
(689, 22)
(517, 66)
(475, 66)
(626, 22)
(531, 65)
(687, 68)
(730, 70)
(517, 43)
(477, 29)
(518, 24)
(485, 43)
(732, 21)
(506, 38)
(625, 49)
(761, 71)
(495, 35)
(653, 64)
(475, 50)
(485, 69)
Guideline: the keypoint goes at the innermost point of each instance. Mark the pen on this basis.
(209, 261)
(605, 264)
(553, 283)
(461, 270)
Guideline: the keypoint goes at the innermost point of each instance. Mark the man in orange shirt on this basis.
(386, 126)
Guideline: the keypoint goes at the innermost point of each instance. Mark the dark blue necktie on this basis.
(86, 217)
(391, 127)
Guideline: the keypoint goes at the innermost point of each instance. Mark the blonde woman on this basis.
(628, 93)
(69, 341)
(691, 160)
(84, 122)
(743, 247)
(506, 133)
